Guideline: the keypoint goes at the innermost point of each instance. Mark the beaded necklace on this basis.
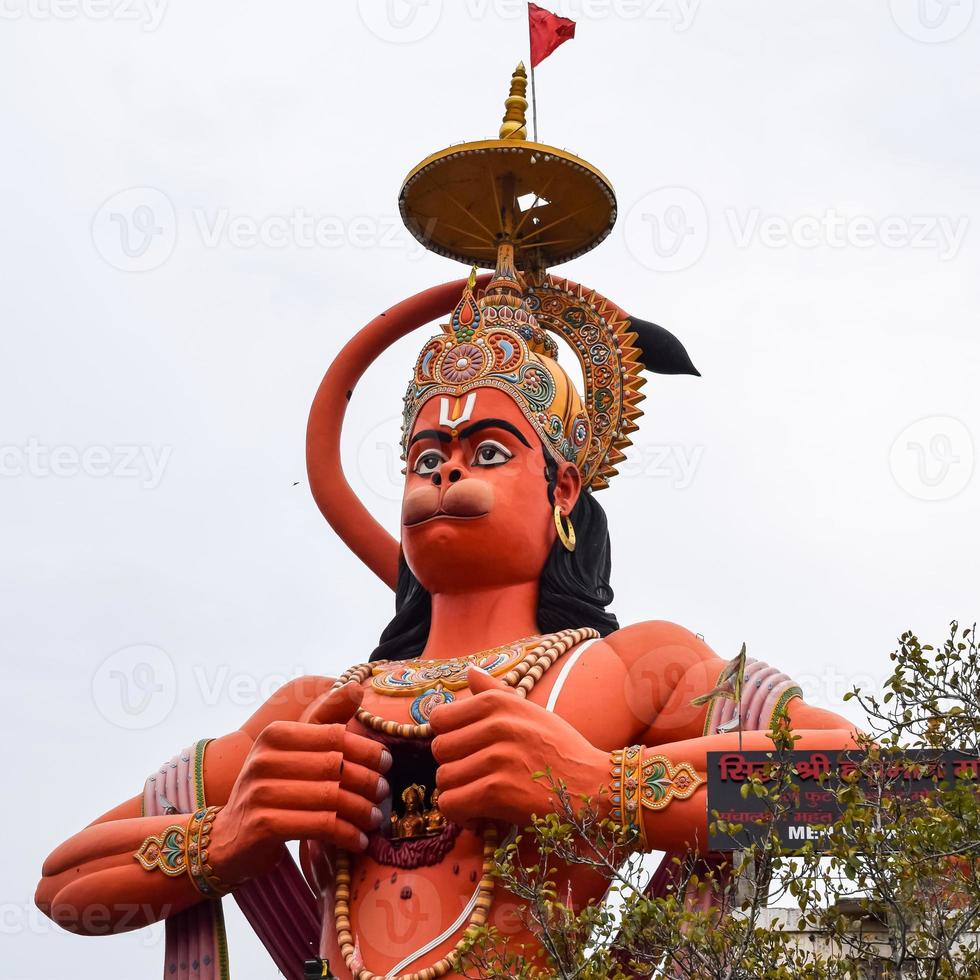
(522, 665)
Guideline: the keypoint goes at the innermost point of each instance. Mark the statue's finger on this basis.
(335, 707)
(480, 681)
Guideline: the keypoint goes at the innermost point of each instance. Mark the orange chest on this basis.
(586, 689)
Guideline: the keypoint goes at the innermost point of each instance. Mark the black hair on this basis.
(573, 589)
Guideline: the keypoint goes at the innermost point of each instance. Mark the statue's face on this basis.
(476, 511)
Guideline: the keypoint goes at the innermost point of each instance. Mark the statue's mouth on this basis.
(444, 515)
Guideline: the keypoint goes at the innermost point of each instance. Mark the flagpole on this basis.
(534, 91)
(739, 681)
(534, 105)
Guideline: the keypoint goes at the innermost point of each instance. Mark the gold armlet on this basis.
(180, 850)
(650, 783)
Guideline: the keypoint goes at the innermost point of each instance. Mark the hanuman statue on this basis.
(502, 658)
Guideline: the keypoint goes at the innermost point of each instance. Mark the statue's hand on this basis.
(308, 779)
(489, 746)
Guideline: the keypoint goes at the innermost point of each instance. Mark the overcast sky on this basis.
(199, 209)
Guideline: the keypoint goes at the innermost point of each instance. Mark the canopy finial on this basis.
(514, 125)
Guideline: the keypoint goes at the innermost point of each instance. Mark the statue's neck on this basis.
(468, 622)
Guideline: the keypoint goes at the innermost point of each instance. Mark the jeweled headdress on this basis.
(518, 207)
(489, 342)
(546, 206)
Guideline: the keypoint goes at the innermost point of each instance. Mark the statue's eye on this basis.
(428, 462)
(491, 453)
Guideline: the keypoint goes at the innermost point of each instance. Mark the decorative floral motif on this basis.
(600, 336)
(663, 782)
(422, 706)
(421, 677)
(466, 318)
(599, 354)
(180, 850)
(165, 851)
(517, 355)
(506, 353)
(602, 376)
(651, 783)
(537, 384)
(463, 363)
(198, 841)
(427, 360)
(603, 400)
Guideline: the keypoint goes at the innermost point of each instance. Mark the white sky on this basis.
(821, 162)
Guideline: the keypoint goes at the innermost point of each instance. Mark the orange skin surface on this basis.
(477, 529)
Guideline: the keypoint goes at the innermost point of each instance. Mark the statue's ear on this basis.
(660, 351)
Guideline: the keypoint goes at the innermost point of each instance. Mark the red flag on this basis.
(548, 30)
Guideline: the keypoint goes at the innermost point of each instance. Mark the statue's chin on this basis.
(442, 547)
(459, 555)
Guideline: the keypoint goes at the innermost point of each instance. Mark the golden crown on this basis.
(507, 203)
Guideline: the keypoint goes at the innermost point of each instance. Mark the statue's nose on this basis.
(453, 476)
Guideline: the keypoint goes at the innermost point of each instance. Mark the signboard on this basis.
(811, 802)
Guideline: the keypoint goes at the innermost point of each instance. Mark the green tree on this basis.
(893, 891)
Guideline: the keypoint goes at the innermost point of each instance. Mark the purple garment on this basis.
(279, 906)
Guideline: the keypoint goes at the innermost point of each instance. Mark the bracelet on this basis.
(651, 783)
(180, 850)
(626, 764)
(198, 838)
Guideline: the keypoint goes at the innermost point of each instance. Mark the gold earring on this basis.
(567, 537)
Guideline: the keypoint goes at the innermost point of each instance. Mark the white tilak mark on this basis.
(464, 416)
(458, 924)
(565, 671)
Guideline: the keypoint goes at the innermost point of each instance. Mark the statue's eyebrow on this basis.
(430, 434)
(471, 430)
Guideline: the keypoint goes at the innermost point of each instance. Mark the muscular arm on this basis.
(92, 885)
(634, 687)
(687, 668)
